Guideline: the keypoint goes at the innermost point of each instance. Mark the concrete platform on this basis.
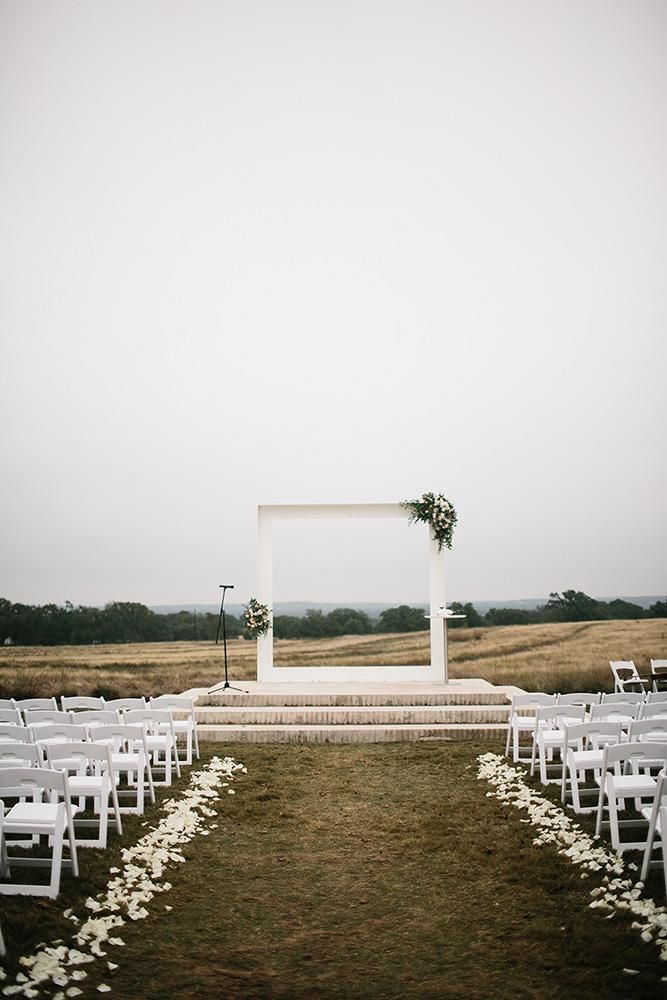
(351, 711)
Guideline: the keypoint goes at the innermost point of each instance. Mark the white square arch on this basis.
(435, 672)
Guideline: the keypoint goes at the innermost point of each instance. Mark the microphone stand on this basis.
(221, 619)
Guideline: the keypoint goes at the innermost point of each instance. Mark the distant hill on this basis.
(373, 610)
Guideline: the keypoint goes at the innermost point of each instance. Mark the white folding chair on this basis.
(586, 698)
(91, 776)
(520, 724)
(615, 711)
(97, 717)
(160, 740)
(12, 716)
(33, 817)
(126, 704)
(654, 696)
(129, 756)
(15, 733)
(548, 737)
(185, 721)
(627, 697)
(655, 816)
(626, 676)
(36, 704)
(654, 710)
(626, 774)
(59, 733)
(653, 730)
(658, 674)
(20, 754)
(582, 752)
(41, 717)
(75, 703)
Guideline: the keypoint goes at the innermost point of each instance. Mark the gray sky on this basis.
(301, 251)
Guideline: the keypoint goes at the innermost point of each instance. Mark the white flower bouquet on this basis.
(438, 512)
(257, 618)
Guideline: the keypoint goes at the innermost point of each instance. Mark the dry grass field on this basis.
(553, 657)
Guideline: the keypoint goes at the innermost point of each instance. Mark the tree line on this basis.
(125, 621)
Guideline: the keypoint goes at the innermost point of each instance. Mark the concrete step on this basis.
(344, 715)
(285, 699)
(349, 733)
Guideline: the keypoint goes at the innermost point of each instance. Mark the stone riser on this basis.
(348, 734)
(345, 716)
(295, 699)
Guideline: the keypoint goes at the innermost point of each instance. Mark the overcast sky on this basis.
(302, 251)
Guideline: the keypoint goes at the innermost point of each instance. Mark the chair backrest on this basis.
(639, 753)
(633, 697)
(36, 704)
(40, 717)
(554, 715)
(88, 756)
(625, 674)
(533, 698)
(19, 755)
(18, 782)
(593, 733)
(660, 665)
(120, 734)
(125, 704)
(98, 717)
(654, 696)
(7, 703)
(11, 715)
(152, 717)
(622, 710)
(75, 703)
(648, 728)
(178, 705)
(14, 734)
(60, 732)
(580, 698)
(653, 708)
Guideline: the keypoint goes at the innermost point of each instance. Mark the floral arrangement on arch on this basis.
(438, 512)
(257, 618)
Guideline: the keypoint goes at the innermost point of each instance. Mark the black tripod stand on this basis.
(221, 620)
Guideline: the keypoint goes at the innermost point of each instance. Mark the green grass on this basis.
(359, 871)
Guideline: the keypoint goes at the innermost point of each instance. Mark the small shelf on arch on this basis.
(445, 614)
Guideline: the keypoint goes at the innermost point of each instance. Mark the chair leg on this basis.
(177, 763)
(613, 818)
(598, 821)
(648, 850)
(57, 856)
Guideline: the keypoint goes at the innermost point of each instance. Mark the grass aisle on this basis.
(376, 871)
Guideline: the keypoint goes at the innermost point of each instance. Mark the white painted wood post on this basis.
(438, 602)
(265, 591)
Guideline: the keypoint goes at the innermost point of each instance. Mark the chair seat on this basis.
(31, 814)
(633, 785)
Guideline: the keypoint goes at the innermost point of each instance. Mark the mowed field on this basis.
(555, 657)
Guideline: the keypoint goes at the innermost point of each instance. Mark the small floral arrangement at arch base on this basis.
(438, 512)
(257, 618)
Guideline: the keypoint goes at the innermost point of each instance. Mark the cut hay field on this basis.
(554, 657)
